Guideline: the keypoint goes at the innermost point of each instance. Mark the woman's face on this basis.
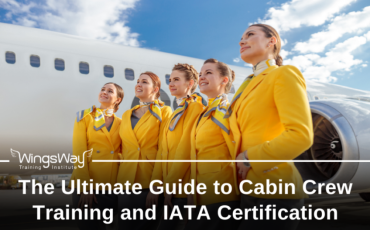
(144, 89)
(108, 96)
(254, 46)
(179, 86)
(210, 81)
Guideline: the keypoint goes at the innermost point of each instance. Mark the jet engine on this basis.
(341, 132)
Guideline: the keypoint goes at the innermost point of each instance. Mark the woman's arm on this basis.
(179, 169)
(79, 146)
(291, 101)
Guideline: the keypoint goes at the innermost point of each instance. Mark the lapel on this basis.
(252, 85)
(128, 128)
(202, 120)
(164, 141)
(107, 133)
(142, 120)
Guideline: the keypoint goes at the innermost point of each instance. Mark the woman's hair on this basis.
(225, 71)
(120, 94)
(156, 82)
(190, 74)
(271, 32)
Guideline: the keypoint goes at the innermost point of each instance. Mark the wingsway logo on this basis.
(48, 160)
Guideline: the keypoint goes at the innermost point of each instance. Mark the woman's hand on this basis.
(168, 200)
(86, 199)
(241, 169)
(152, 199)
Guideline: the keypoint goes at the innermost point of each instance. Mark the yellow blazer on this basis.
(210, 142)
(176, 146)
(140, 143)
(272, 121)
(106, 146)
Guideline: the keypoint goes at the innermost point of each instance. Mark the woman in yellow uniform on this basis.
(210, 140)
(176, 138)
(140, 133)
(96, 136)
(270, 119)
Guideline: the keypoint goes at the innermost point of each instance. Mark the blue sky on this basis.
(328, 41)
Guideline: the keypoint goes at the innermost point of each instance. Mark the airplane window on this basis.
(167, 79)
(129, 74)
(165, 98)
(59, 64)
(84, 68)
(35, 61)
(10, 57)
(232, 89)
(108, 71)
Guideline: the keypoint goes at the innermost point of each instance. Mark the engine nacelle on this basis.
(341, 132)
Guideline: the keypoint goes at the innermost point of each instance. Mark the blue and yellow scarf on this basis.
(99, 121)
(154, 108)
(195, 97)
(217, 107)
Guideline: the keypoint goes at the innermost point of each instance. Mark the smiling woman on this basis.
(140, 131)
(97, 129)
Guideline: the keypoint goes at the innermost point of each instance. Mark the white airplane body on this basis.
(39, 104)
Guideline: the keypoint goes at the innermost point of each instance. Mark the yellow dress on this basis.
(140, 143)
(272, 121)
(106, 146)
(210, 142)
(176, 146)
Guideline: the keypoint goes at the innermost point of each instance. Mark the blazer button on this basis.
(233, 142)
(111, 152)
(138, 149)
(98, 151)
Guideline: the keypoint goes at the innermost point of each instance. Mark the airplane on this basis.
(48, 76)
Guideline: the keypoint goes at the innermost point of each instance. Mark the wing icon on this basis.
(14, 153)
(88, 152)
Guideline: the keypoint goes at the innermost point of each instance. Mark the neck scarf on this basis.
(183, 105)
(257, 70)
(143, 104)
(262, 66)
(154, 108)
(99, 120)
(217, 107)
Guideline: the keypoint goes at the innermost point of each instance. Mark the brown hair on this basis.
(156, 82)
(271, 32)
(120, 94)
(190, 74)
(225, 71)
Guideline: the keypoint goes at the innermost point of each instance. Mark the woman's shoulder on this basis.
(286, 72)
(118, 119)
(85, 115)
(166, 108)
(196, 106)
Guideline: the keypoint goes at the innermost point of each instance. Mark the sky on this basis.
(329, 41)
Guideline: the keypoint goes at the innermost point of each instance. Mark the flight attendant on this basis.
(96, 136)
(210, 140)
(270, 119)
(176, 138)
(140, 133)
